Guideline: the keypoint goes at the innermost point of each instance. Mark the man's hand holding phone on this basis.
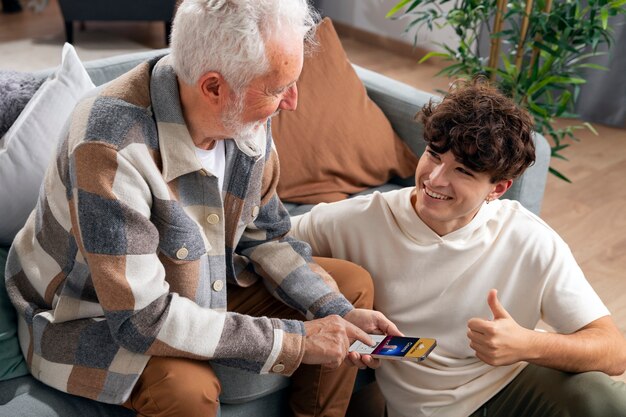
(327, 340)
(374, 323)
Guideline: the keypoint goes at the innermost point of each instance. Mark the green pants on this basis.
(545, 392)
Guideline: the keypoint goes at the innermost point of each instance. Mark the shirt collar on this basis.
(415, 228)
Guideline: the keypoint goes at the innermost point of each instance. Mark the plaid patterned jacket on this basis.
(131, 244)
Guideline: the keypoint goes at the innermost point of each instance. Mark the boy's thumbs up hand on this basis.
(500, 341)
(496, 308)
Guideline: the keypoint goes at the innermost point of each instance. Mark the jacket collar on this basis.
(177, 148)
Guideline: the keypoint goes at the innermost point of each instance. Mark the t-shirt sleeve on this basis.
(569, 302)
(314, 227)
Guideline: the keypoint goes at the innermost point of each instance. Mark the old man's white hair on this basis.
(228, 36)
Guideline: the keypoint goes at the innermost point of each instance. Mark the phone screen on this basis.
(396, 347)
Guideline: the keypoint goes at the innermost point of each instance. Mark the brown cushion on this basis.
(337, 142)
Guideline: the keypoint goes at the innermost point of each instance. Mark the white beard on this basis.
(250, 138)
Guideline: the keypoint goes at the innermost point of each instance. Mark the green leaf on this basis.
(510, 69)
(432, 54)
(604, 13)
(555, 80)
(582, 57)
(537, 109)
(565, 99)
(544, 47)
(590, 127)
(557, 148)
(413, 6)
(593, 66)
(399, 6)
(559, 175)
(451, 70)
(558, 156)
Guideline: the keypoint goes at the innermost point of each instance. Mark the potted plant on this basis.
(537, 53)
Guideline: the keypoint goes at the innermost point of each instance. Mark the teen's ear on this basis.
(499, 188)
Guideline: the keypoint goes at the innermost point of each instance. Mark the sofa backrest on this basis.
(106, 69)
(399, 101)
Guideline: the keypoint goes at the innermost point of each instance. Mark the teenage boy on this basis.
(446, 254)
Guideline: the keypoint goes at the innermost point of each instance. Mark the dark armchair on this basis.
(82, 10)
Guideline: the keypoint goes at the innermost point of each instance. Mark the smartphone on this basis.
(414, 349)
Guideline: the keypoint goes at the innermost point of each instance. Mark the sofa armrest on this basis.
(400, 102)
(528, 189)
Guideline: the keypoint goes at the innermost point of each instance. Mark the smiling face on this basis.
(447, 194)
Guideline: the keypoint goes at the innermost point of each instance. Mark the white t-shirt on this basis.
(431, 285)
(214, 161)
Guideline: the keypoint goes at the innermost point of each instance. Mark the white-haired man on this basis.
(164, 191)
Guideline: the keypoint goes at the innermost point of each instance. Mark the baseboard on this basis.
(390, 44)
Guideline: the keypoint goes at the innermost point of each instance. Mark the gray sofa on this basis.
(245, 394)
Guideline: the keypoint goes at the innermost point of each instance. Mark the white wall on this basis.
(369, 15)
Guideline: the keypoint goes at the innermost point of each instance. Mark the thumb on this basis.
(393, 330)
(355, 333)
(497, 309)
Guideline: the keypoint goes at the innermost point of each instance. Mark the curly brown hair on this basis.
(486, 131)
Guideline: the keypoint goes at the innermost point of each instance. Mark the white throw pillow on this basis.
(30, 144)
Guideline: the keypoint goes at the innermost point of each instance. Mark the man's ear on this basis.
(212, 87)
(499, 188)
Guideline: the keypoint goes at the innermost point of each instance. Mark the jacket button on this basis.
(213, 218)
(182, 253)
(255, 211)
(218, 285)
(278, 368)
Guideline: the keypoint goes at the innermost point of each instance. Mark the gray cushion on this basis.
(239, 386)
(16, 89)
(12, 362)
(275, 404)
(27, 397)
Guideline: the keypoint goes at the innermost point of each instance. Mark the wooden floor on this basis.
(589, 214)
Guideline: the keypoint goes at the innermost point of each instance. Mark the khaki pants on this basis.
(188, 388)
(545, 392)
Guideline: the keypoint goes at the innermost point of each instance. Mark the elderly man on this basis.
(161, 201)
(477, 273)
